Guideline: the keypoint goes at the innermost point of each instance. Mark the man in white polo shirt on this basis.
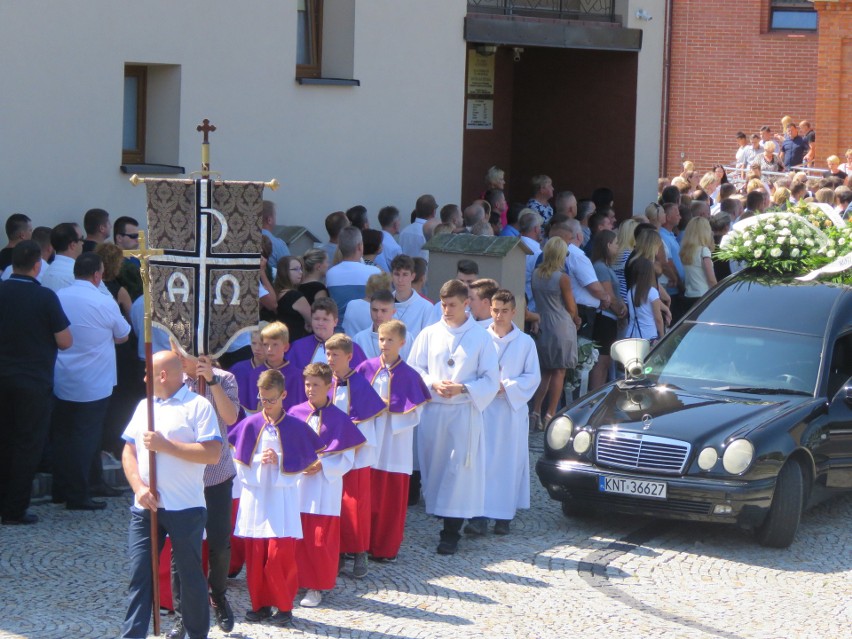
(588, 292)
(83, 381)
(186, 439)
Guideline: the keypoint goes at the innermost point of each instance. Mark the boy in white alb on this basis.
(458, 363)
(411, 309)
(507, 458)
(382, 310)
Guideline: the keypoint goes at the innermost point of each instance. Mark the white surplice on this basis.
(322, 492)
(368, 340)
(507, 465)
(365, 455)
(415, 313)
(269, 499)
(394, 432)
(450, 446)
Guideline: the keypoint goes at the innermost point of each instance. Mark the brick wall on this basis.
(834, 84)
(728, 72)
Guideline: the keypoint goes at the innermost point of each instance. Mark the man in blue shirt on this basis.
(669, 223)
(793, 148)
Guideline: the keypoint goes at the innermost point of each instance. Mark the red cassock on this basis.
(318, 552)
(389, 507)
(355, 511)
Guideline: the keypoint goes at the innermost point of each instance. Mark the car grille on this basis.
(673, 506)
(641, 452)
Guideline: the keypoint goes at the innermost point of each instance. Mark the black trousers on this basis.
(77, 432)
(218, 529)
(24, 425)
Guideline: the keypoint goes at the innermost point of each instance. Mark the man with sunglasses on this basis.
(125, 235)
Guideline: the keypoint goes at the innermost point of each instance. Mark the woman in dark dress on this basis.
(313, 280)
(293, 308)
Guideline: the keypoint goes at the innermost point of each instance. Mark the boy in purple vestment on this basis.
(311, 348)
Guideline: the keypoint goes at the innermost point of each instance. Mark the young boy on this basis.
(506, 432)
(353, 395)
(275, 339)
(405, 394)
(481, 291)
(458, 363)
(317, 554)
(311, 348)
(382, 309)
(411, 309)
(271, 451)
(247, 371)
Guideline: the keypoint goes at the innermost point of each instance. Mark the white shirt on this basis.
(357, 317)
(184, 417)
(642, 322)
(368, 340)
(61, 274)
(415, 313)
(347, 281)
(7, 272)
(86, 372)
(696, 279)
(582, 273)
(390, 249)
(412, 239)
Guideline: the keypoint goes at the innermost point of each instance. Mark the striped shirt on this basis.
(222, 470)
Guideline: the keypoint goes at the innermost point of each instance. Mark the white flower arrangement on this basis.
(766, 242)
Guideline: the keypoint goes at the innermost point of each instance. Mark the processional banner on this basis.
(204, 288)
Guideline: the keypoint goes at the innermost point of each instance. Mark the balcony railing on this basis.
(602, 10)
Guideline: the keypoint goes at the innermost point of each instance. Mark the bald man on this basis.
(185, 439)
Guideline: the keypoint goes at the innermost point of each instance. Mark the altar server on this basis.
(353, 394)
(271, 451)
(457, 361)
(412, 309)
(405, 394)
(317, 554)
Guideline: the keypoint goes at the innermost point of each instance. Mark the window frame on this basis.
(313, 9)
(137, 155)
(790, 8)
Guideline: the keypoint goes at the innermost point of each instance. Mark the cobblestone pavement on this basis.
(552, 577)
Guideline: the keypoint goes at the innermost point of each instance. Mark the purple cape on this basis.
(337, 431)
(293, 383)
(299, 443)
(300, 355)
(246, 378)
(364, 402)
(407, 388)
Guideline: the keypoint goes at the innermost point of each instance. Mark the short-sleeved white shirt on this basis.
(184, 417)
(695, 277)
(582, 273)
(86, 372)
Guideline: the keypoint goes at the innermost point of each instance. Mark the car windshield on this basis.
(736, 358)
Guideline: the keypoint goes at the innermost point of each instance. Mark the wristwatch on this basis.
(216, 379)
(464, 389)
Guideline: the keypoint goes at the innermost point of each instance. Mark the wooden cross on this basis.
(205, 127)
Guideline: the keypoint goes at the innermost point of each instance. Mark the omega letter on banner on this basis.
(204, 288)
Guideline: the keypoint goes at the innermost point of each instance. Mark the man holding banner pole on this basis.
(186, 438)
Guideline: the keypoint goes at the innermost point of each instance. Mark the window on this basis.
(792, 15)
(309, 39)
(133, 126)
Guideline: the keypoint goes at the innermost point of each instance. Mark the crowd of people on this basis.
(357, 395)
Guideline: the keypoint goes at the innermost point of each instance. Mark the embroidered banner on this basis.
(204, 288)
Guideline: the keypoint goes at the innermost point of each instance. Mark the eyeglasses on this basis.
(296, 268)
(268, 402)
(132, 236)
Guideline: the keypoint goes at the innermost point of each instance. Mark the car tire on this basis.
(782, 521)
(572, 509)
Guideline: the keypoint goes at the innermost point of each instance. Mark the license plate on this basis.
(635, 487)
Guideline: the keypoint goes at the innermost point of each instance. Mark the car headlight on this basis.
(559, 432)
(708, 458)
(738, 456)
(582, 442)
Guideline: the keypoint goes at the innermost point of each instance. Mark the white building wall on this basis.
(388, 141)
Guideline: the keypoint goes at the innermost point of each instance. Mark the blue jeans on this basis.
(184, 527)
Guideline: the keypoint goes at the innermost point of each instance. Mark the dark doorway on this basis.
(567, 113)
